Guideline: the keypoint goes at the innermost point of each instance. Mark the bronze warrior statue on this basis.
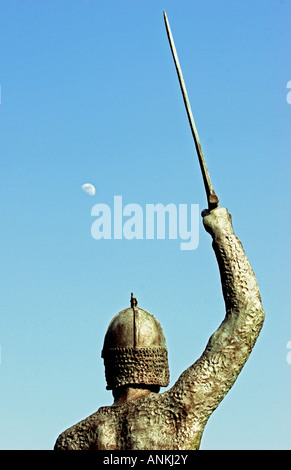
(135, 354)
(135, 358)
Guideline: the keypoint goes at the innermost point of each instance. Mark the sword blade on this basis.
(212, 198)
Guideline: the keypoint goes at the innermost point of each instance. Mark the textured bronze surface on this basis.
(175, 419)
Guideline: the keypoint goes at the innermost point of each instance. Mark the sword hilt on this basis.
(213, 200)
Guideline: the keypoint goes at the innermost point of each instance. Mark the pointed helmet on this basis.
(134, 349)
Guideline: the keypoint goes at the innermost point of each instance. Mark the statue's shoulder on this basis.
(79, 436)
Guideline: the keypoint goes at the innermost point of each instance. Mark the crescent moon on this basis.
(89, 189)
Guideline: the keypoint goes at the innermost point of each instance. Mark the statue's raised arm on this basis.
(204, 384)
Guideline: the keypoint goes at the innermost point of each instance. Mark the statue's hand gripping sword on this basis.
(212, 198)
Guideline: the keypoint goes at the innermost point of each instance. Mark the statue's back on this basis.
(149, 423)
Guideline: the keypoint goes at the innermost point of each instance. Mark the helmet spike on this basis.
(133, 301)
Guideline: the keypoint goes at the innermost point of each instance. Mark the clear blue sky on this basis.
(89, 93)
